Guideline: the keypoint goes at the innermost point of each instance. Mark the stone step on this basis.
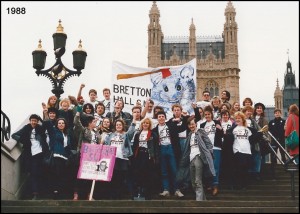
(200, 209)
(161, 206)
(152, 203)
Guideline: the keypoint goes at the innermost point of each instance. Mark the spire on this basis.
(229, 8)
(192, 26)
(278, 92)
(154, 9)
(289, 67)
(192, 41)
(278, 97)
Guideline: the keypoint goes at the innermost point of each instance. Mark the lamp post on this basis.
(58, 73)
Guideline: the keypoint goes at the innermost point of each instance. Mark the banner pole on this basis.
(92, 190)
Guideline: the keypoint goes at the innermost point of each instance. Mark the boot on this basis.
(200, 195)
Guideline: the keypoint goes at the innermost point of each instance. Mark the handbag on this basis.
(292, 141)
(264, 145)
(48, 159)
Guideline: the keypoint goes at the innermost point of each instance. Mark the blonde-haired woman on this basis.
(241, 137)
(145, 156)
(235, 108)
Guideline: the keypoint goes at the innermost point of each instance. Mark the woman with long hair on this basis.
(60, 144)
(120, 139)
(292, 124)
(145, 156)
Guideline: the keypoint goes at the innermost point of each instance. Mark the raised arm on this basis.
(80, 90)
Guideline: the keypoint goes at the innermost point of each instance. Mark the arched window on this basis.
(213, 87)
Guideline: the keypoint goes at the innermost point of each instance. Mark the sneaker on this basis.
(35, 197)
(178, 194)
(55, 195)
(165, 193)
(215, 191)
(75, 198)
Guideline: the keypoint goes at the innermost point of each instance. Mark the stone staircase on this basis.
(267, 196)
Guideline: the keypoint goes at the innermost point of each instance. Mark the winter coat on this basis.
(206, 151)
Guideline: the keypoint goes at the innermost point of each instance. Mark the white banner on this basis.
(164, 85)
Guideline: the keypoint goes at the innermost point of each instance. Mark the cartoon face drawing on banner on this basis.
(179, 88)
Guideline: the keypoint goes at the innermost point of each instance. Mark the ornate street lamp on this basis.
(58, 73)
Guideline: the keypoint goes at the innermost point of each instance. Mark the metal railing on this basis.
(290, 165)
(5, 127)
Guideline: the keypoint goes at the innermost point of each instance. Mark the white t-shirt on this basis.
(36, 147)
(137, 128)
(164, 135)
(226, 125)
(65, 140)
(118, 141)
(149, 115)
(107, 106)
(181, 134)
(99, 119)
(210, 129)
(200, 122)
(203, 104)
(154, 123)
(241, 140)
(94, 137)
(93, 103)
(143, 139)
(194, 147)
(249, 123)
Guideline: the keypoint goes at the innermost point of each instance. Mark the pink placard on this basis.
(97, 162)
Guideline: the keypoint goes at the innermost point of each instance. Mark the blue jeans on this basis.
(182, 143)
(217, 161)
(256, 161)
(168, 161)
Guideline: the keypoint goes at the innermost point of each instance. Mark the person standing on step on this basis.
(145, 156)
(215, 133)
(292, 124)
(276, 128)
(197, 154)
(169, 152)
(33, 138)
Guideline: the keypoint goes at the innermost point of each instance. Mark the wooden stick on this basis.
(127, 76)
(92, 190)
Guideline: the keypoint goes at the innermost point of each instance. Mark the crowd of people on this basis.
(220, 141)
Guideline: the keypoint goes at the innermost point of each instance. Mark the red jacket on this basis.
(290, 127)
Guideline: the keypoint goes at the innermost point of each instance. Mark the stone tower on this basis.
(290, 90)
(217, 56)
(155, 37)
(278, 97)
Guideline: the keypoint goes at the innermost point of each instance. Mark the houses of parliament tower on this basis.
(217, 56)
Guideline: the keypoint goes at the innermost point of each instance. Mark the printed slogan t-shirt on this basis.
(241, 140)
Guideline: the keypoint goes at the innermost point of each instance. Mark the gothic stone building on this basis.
(289, 94)
(217, 57)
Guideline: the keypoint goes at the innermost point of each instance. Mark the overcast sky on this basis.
(118, 31)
